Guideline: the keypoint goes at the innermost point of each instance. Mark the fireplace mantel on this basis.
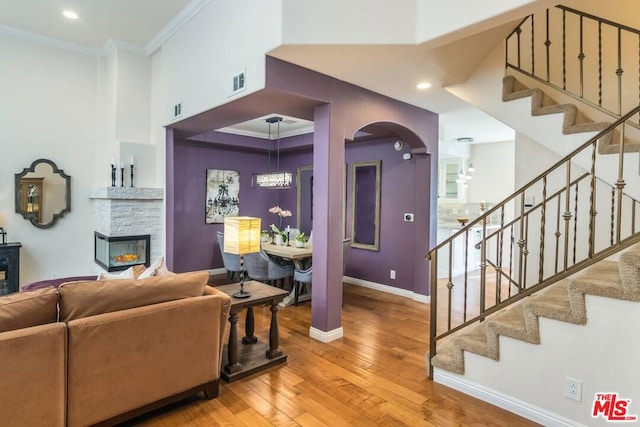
(127, 193)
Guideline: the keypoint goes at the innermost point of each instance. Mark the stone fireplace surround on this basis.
(127, 211)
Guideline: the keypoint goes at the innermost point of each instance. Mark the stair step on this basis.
(574, 121)
(512, 323)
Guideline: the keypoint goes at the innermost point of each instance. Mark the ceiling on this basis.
(383, 69)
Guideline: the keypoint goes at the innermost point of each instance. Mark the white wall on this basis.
(602, 354)
(198, 63)
(494, 175)
(49, 110)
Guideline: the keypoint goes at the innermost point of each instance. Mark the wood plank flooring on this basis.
(374, 375)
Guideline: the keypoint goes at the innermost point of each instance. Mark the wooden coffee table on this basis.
(248, 355)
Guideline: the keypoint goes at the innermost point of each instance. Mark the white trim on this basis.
(38, 38)
(325, 337)
(426, 299)
(504, 401)
(192, 9)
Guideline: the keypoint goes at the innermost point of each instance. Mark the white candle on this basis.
(131, 160)
(121, 165)
(113, 161)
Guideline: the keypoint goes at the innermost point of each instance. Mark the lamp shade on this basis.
(241, 235)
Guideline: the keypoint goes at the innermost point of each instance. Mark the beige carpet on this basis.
(564, 301)
(574, 120)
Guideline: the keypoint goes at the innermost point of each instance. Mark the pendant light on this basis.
(275, 180)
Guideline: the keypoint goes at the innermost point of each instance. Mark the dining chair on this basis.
(231, 261)
(304, 277)
(262, 268)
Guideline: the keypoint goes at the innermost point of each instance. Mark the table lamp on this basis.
(241, 236)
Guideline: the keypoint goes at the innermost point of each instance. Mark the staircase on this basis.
(564, 301)
(548, 246)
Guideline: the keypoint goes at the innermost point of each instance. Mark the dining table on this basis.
(300, 257)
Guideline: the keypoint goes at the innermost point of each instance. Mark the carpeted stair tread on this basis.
(511, 323)
(563, 301)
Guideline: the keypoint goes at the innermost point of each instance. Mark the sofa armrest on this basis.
(224, 315)
(124, 360)
(33, 375)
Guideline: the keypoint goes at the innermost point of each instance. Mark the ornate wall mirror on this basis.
(43, 193)
(365, 205)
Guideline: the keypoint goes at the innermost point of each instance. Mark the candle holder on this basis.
(113, 175)
(131, 166)
(122, 176)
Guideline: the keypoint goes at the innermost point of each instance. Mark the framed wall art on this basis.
(222, 195)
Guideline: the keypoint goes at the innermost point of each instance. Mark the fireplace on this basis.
(120, 253)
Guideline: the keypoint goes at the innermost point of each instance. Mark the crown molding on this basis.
(192, 9)
(37, 38)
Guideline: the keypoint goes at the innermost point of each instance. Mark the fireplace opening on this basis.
(120, 253)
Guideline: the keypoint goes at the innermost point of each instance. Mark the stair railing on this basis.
(581, 55)
(519, 247)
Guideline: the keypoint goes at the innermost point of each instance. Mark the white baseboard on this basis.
(325, 337)
(426, 299)
(501, 400)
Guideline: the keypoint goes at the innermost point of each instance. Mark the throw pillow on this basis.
(153, 269)
(126, 274)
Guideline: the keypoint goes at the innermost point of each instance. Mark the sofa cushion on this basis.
(26, 309)
(88, 298)
(55, 282)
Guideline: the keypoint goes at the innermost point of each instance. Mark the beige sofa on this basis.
(116, 348)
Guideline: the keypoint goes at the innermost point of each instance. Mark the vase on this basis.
(299, 244)
(279, 241)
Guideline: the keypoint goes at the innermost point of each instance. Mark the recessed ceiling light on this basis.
(70, 14)
(423, 85)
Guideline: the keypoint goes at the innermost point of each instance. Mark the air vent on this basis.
(177, 110)
(239, 82)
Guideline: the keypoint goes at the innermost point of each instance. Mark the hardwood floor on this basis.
(374, 375)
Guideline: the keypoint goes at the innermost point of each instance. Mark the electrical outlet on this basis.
(392, 274)
(573, 389)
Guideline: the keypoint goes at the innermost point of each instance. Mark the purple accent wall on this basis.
(195, 246)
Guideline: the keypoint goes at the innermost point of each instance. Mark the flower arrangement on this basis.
(302, 238)
(282, 213)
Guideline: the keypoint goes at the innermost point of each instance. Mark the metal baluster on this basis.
(433, 310)
(620, 183)
(526, 251)
(450, 285)
(592, 202)
(483, 267)
(600, 64)
(619, 72)
(511, 258)
(564, 49)
(547, 44)
(558, 233)
(575, 225)
(613, 210)
(499, 252)
(466, 262)
(567, 215)
(521, 241)
(533, 52)
(543, 214)
(581, 57)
